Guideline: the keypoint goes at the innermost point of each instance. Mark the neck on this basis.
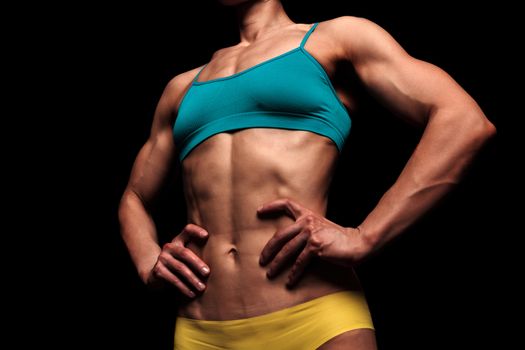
(257, 17)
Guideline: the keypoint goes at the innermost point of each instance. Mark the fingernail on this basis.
(205, 270)
(192, 295)
(201, 286)
(269, 274)
(261, 260)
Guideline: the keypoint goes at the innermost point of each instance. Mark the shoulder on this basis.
(345, 25)
(356, 36)
(174, 91)
(176, 88)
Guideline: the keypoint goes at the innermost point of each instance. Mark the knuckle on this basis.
(177, 265)
(166, 246)
(164, 257)
(177, 242)
(182, 252)
(177, 250)
(188, 256)
(315, 241)
(309, 218)
(177, 283)
(310, 227)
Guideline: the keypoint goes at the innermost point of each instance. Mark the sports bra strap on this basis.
(199, 72)
(307, 35)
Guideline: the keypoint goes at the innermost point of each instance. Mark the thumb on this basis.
(192, 231)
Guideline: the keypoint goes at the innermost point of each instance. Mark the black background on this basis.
(439, 285)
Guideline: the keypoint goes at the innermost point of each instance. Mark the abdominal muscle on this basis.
(226, 178)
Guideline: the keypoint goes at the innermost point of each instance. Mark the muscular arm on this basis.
(421, 93)
(147, 176)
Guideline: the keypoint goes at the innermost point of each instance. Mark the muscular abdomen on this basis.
(226, 178)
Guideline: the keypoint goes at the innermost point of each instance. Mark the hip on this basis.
(241, 289)
(303, 326)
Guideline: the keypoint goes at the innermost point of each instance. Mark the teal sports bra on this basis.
(289, 91)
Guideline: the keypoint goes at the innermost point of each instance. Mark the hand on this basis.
(310, 236)
(180, 266)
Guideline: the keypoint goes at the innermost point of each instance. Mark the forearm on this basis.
(139, 233)
(447, 147)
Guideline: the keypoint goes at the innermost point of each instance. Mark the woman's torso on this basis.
(226, 178)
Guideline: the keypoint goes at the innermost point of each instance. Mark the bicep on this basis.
(409, 87)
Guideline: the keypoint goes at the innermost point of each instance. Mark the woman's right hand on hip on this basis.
(179, 266)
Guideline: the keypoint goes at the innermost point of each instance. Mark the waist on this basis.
(238, 287)
(353, 299)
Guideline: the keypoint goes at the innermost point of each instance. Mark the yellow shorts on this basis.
(300, 327)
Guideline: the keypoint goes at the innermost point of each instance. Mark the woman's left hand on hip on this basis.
(310, 236)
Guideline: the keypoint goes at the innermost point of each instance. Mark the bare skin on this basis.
(257, 197)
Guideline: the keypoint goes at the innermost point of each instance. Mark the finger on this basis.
(289, 250)
(163, 272)
(181, 270)
(299, 266)
(192, 260)
(278, 240)
(192, 231)
(293, 209)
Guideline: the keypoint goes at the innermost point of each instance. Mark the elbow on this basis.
(483, 130)
(490, 130)
(478, 128)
